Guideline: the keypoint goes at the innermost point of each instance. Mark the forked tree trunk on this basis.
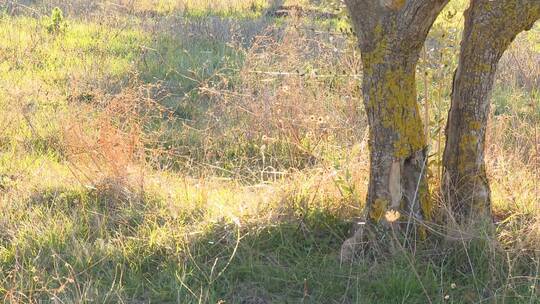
(391, 34)
(490, 27)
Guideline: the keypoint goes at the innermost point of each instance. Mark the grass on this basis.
(198, 152)
(186, 249)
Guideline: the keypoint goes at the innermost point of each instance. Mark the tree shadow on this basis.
(76, 245)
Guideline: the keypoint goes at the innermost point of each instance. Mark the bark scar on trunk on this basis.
(393, 4)
(395, 184)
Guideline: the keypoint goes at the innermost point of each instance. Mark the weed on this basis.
(56, 24)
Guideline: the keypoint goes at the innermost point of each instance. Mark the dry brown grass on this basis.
(295, 102)
(106, 141)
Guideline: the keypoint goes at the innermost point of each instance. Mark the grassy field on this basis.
(183, 151)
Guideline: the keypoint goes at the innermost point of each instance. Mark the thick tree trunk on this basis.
(397, 141)
(391, 34)
(490, 27)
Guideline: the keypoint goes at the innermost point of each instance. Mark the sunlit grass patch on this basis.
(30, 48)
(199, 8)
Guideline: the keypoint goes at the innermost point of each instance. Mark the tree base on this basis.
(373, 241)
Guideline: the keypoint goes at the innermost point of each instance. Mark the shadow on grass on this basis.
(291, 262)
(73, 246)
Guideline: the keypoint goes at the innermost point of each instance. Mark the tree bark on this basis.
(490, 27)
(391, 34)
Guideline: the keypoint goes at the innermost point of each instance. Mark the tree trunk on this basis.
(391, 34)
(397, 141)
(490, 27)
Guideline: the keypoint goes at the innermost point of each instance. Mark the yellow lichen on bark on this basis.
(401, 112)
(376, 56)
(467, 143)
(426, 204)
(475, 125)
(378, 209)
(395, 96)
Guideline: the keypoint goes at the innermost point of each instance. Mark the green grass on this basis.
(54, 72)
(202, 8)
(111, 251)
